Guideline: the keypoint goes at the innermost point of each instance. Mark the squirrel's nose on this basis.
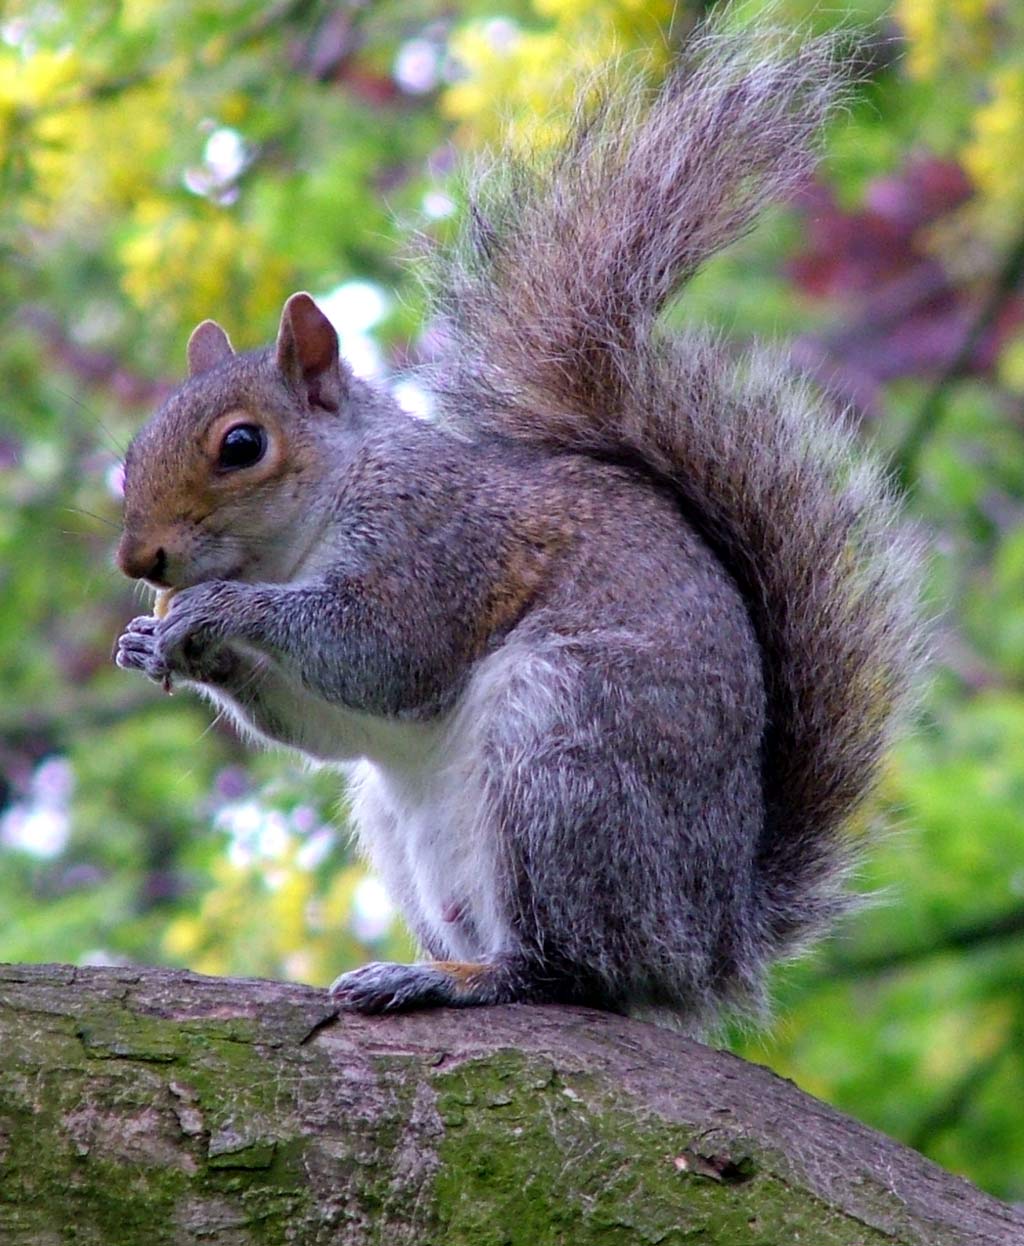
(143, 562)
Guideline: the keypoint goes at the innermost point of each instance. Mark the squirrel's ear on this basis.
(307, 352)
(208, 346)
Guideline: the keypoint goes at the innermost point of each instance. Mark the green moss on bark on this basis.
(530, 1158)
(142, 1131)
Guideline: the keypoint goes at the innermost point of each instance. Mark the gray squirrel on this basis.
(611, 647)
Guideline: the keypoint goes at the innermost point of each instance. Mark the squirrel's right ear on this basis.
(208, 346)
(307, 353)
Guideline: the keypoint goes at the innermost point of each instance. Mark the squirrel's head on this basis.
(221, 482)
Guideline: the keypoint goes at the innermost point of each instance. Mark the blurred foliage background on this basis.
(164, 162)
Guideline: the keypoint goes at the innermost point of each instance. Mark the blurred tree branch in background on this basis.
(1008, 925)
(1004, 288)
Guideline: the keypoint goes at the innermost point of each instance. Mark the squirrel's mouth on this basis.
(163, 596)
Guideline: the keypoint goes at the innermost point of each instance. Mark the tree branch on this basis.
(1006, 925)
(931, 410)
(160, 1107)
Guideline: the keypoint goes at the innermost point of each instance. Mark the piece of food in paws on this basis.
(162, 602)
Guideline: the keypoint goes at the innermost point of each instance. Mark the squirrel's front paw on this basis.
(188, 643)
(138, 649)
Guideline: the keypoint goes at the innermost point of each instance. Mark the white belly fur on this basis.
(424, 829)
(423, 815)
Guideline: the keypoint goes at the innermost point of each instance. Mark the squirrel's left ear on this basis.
(208, 346)
(307, 353)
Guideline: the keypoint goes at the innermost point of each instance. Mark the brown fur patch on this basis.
(525, 570)
(466, 974)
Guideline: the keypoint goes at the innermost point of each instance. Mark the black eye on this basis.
(243, 445)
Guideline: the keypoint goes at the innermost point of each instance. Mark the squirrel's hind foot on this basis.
(382, 986)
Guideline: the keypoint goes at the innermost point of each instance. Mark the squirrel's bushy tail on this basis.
(551, 305)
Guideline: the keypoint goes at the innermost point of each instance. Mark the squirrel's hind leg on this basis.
(382, 986)
(386, 987)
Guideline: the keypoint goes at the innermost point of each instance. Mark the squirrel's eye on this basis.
(243, 445)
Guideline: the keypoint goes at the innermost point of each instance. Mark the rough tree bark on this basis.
(150, 1107)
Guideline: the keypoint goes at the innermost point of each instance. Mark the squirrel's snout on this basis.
(143, 562)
